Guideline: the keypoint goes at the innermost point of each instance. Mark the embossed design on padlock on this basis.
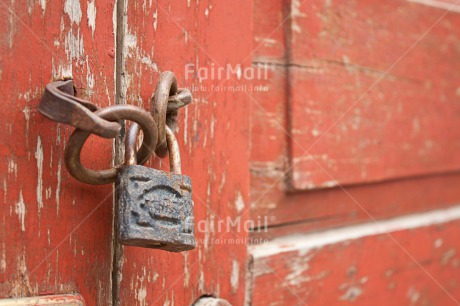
(156, 207)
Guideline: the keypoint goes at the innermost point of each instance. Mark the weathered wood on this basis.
(55, 233)
(213, 137)
(409, 260)
(63, 300)
(359, 72)
(373, 91)
(317, 73)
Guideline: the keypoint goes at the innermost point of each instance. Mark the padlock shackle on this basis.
(174, 152)
(131, 145)
(173, 148)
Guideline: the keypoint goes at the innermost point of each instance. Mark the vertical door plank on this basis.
(55, 234)
(213, 137)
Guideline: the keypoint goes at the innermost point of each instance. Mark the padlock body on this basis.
(155, 209)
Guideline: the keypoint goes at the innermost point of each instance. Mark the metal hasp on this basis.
(156, 207)
(60, 104)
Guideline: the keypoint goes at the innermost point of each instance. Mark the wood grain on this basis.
(56, 233)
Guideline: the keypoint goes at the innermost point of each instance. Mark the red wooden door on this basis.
(325, 129)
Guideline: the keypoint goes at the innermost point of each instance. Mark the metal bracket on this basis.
(60, 104)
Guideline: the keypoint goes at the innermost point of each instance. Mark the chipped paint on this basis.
(91, 15)
(43, 5)
(20, 210)
(351, 294)
(295, 13)
(239, 202)
(39, 158)
(186, 270)
(3, 261)
(442, 4)
(297, 267)
(73, 9)
(149, 63)
(155, 19)
(58, 187)
(73, 45)
(318, 240)
(141, 295)
(235, 275)
(12, 167)
(438, 243)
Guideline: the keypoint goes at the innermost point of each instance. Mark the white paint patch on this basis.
(295, 13)
(5, 190)
(148, 62)
(351, 294)
(141, 295)
(438, 243)
(39, 157)
(12, 167)
(312, 241)
(239, 202)
(451, 7)
(48, 193)
(20, 210)
(186, 270)
(185, 124)
(3, 261)
(212, 126)
(155, 20)
(201, 282)
(58, 187)
(89, 75)
(73, 9)
(297, 268)
(43, 5)
(73, 45)
(26, 112)
(91, 13)
(235, 276)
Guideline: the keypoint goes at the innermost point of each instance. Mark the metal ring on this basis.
(167, 86)
(112, 113)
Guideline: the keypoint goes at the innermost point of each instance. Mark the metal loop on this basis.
(112, 113)
(167, 86)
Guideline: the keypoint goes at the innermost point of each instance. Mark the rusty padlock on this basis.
(156, 207)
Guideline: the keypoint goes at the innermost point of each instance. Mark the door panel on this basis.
(351, 120)
(56, 233)
(212, 134)
(373, 90)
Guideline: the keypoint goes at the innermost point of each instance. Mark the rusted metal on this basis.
(174, 152)
(179, 100)
(166, 86)
(113, 113)
(156, 207)
(60, 104)
(130, 145)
